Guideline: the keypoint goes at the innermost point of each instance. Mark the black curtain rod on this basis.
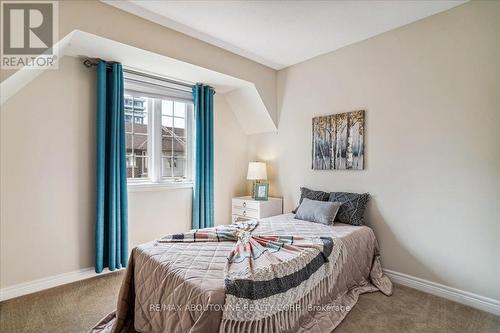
(91, 62)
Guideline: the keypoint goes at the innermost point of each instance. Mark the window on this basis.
(159, 131)
(173, 138)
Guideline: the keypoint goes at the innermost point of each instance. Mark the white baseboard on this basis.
(48, 282)
(473, 300)
(464, 297)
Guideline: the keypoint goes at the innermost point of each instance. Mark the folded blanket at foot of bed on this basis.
(269, 279)
(191, 276)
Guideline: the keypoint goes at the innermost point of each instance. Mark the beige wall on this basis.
(231, 160)
(47, 178)
(432, 101)
(47, 150)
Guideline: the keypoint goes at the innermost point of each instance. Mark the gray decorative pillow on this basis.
(312, 195)
(317, 211)
(352, 210)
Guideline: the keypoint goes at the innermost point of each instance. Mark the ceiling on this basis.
(282, 33)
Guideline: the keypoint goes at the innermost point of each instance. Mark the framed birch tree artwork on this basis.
(337, 141)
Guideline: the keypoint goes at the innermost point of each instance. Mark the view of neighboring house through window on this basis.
(159, 133)
(136, 133)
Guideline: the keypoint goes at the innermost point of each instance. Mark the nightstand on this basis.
(246, 208)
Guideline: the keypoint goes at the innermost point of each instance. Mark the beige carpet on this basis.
(76, 307)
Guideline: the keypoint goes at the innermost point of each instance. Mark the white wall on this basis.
(431, 95)
(47, 201)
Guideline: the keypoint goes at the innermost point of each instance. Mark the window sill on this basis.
(147, 186)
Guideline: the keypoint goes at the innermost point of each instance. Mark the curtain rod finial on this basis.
(89, 62)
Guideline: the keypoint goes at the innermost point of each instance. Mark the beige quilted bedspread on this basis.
(179, 287)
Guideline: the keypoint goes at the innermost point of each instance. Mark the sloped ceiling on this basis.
(241, 95)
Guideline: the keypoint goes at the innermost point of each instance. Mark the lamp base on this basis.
(254, 183)
(253, 189)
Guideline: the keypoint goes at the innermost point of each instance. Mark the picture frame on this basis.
(338, 141)
(261, 191)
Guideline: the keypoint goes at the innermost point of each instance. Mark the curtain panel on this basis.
(203, 191)
(111, 172)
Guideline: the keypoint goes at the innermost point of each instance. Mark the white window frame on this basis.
(155, 181)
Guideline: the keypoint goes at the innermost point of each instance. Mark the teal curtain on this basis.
(111, 174)
(203, 191)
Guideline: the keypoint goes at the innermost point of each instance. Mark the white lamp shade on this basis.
(257, 171)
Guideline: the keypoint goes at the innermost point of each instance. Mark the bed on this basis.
(179, 287)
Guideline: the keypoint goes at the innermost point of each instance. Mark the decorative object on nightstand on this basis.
(257, 173)
(246, 208)
(261, 191)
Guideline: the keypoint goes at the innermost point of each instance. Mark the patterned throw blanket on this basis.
(270, 280)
